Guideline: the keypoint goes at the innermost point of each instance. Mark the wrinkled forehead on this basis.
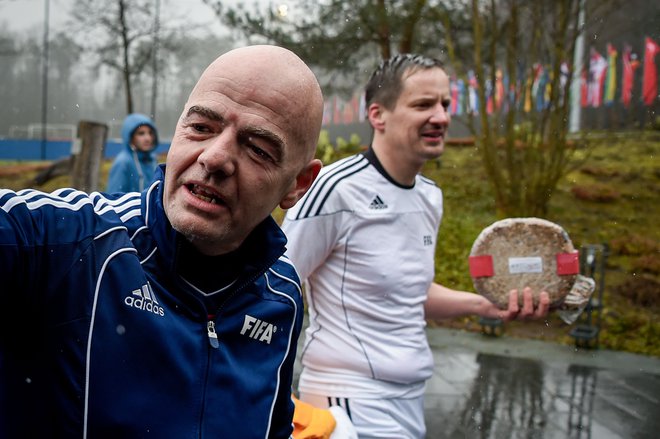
(426, 81)
(260, 70)
(274, 85)
(428, 72)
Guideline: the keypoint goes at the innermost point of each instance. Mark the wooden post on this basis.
(88, 155)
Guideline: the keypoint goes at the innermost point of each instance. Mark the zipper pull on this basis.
(213, 337)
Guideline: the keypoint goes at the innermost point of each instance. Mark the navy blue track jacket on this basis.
(100, 337)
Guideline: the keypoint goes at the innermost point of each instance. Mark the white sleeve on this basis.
(310, 240)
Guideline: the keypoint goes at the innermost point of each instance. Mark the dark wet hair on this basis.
(386, 81)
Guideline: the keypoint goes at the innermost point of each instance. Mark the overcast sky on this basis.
(28, 15)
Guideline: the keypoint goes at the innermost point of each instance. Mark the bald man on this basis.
(170, 313)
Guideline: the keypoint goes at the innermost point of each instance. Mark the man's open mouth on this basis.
(203, 194)
(433, 134)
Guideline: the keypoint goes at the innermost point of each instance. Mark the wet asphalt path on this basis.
(501, 388)
(485, 387)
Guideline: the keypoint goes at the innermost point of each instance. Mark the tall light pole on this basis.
(44, 82)
(154, 79)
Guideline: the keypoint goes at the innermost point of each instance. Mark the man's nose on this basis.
(440, 114)
(220, 154)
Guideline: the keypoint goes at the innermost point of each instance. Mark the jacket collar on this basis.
(258, 252)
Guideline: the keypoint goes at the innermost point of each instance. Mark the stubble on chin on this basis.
(204, 240)
(186, 228)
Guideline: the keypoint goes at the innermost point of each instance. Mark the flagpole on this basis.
(154, 65)
(44, 84)
(578, 59)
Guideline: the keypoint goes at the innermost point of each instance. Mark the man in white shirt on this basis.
(363, 238)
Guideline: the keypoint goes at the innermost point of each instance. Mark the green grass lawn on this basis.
(613, 198)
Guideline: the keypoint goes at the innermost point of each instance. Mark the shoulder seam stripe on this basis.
(330, 180)
(365, 165)
(153, 252)
(152, 188)
(285, 278)
(320, 182)
(427, 180)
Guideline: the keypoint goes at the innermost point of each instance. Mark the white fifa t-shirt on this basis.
(364, 247)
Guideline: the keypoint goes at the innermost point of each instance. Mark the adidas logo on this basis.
(145, 299)
(258, 329)
(377, 203)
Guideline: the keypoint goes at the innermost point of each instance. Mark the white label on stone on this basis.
(525, 265)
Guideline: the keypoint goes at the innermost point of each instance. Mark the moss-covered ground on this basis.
(612, 199)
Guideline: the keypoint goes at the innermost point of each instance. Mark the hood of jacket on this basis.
(131, 123)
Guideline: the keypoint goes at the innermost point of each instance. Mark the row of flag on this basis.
(599, 84)
(598, 87)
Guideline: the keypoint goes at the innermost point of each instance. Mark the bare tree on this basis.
(522, 48)
(342, 38)
(120, 35)
(522, 58)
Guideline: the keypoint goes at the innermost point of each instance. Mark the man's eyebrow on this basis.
(255, 131)
(205, 112)
(270, 136)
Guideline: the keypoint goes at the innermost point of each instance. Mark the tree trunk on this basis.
(87, 160)
(125, 49)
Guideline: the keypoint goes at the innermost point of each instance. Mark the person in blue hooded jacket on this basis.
(136, 163)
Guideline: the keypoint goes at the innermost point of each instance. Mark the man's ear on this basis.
(375, 116)
(302, 183)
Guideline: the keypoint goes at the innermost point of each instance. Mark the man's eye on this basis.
(252, 144)
(260, 152)
(200, 128)
(446, 103)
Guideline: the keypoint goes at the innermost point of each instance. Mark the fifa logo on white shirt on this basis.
(428, 240)
(258, 329)
(145, 299)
